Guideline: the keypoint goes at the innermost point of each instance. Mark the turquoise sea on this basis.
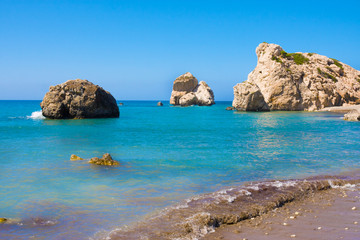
(167, 154)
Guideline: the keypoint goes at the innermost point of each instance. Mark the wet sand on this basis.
(329, 214)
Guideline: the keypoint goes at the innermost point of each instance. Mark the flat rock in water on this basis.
(353, 115)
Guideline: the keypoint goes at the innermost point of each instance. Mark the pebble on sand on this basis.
(293, 235)
(353, 208)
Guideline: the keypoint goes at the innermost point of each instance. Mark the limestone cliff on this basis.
(187, 91)
(296, 81)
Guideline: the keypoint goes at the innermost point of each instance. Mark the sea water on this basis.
(166, 154)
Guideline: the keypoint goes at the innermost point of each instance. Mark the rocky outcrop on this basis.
(160, 104)
(106, 160)
(73, 157)
(78, 99)
(353, 115)
(187, 91)
(296, 81)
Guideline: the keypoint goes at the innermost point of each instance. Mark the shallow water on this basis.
(166, 153)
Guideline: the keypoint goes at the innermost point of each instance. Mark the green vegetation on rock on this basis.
(277, 59)
(327, 75)
(298, 58)
(310, 54)
(337, 63)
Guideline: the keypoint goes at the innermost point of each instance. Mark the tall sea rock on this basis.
(79, 99)
(187, 91)
(295, 82)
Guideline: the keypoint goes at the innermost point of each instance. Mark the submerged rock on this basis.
(160, 104)
(230, 108)
(296, 81)
(105, 160)
(79, 99)
(187, 91)
(73, 157)
(353, 115)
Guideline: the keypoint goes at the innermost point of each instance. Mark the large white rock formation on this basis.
(187, 91)
(296, 81)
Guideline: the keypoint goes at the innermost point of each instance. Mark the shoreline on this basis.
(215, 215)
(330, 214)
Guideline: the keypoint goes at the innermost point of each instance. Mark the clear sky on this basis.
(135, 49)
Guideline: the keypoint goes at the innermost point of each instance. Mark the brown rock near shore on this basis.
(106, 160)
(74, 157)
(78, 99)
(187, 91)
(296, 82)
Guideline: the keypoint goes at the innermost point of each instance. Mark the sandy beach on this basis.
(329, 214)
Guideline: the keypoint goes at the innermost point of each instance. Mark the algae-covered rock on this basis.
(3, 220)
(106, 160)
(73, 157)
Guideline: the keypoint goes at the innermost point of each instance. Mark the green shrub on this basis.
(298, 58)
(327, 75)
(330, 69)
(276, 59)
(337, 63)
(310, 54)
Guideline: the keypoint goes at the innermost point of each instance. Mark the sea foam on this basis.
(36, 115)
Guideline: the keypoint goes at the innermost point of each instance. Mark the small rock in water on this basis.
(160, 104)
(285, 224)
(296, 213)
(353, 208)
(293, 235)
(121, 104)
(355, 223)
(292, 217)
(230, 108)
(106, 160)
(73, 157)
(2, 220)
(319, 228)
(346, 228)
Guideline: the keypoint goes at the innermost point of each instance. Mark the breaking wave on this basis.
(36, 115)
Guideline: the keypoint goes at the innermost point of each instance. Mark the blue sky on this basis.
(135, 49)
